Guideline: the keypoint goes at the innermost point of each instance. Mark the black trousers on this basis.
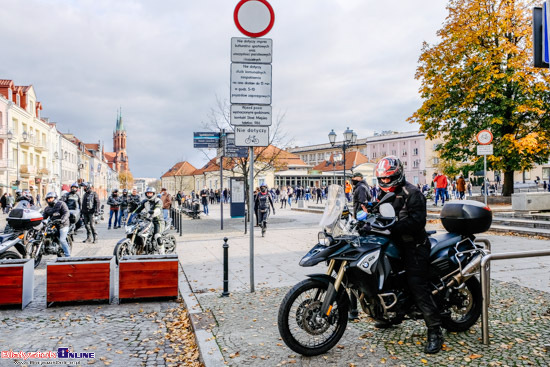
(88, 219)
(262, 216)
(416, 259)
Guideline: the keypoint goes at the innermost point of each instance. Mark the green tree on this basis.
(479, 76)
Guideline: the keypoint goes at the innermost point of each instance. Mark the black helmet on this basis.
(74, 187)
(18, 192)
(115, 191)
(150, 190)
(124, 192)
(392, 168)
(50, 195)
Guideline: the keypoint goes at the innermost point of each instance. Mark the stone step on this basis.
(541, 232)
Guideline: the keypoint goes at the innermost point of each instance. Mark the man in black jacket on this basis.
(361, 192)
(114, 205)
(58, 210)
(90, 206)
(410, 235)
(133, 202)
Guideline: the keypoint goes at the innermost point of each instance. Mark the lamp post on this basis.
(350, 140)
(10, 137)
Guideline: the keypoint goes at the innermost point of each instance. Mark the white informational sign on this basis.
(251, 136)
(250, 115)
(251, 50)
(485, 149)
(251, 84)
(237, 192)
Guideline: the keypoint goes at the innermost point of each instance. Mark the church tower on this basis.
(119, 145)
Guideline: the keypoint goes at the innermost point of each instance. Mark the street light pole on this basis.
(350, 138)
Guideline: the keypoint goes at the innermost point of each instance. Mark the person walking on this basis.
(319, 193)
(4, 202)
(114, 203)
(461, 187)
(283, 197)
(441, 183)
(204, 199)
(469, 187)
(347, 190)
(179, 195)
(90, 206)
(166, 199)
(290, 192)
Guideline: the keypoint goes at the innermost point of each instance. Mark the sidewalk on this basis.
(245, 324)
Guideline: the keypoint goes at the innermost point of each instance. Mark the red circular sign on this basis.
(253, 32)
(484, 137)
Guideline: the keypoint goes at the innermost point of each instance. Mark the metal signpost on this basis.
(250, 92)
(484, 138)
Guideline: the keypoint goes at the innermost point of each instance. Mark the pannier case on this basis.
(21, 218)
(466, 217)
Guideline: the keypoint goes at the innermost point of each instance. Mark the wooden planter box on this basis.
(71, 279)
(16, 282)
(148, 276)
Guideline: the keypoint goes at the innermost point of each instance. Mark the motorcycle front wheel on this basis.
(170, 244)
(465, 306)
(123, 248)
(302, 327)
(9, 255)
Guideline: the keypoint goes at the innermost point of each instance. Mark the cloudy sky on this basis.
(335, 64)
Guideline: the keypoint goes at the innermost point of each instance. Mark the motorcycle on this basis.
(139, 238)
(46, 241)
(99, 215)
(23, 221)
(363, 260)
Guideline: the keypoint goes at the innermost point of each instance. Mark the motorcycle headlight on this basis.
(130, 229)
(324, 239)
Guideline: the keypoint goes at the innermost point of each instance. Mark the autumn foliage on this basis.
(480, 76)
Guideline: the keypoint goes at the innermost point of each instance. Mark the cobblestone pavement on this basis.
(247, 332)
(129, 334)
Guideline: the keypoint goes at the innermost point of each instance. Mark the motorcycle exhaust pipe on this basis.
(467, 272)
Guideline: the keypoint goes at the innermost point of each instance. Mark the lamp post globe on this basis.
(332, 137)
(348, 135)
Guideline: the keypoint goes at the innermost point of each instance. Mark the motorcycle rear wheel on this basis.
(302, 328)
(467, 307)
(170, 244)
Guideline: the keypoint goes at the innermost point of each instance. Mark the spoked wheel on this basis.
(301, 325)
(11, 255)
(170, 244)
(464, 306)
(123, 248)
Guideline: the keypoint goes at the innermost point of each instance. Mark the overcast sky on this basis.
(335, 64)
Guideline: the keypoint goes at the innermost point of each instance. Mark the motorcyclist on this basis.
(90, 206)
(410, 236)
(153, 205)
(114, 202)
(72, 199)
(58, 210)
(133, 203)
(262, 202)
(361, 192)
(24, 195)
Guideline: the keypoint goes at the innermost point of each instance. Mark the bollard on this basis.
(180, 223)
(225, 268)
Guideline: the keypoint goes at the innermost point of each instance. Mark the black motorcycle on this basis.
(363, 260)
(46, 241)
(139, 238)
(22, 223)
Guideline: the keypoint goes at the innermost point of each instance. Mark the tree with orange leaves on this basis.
(480, 76)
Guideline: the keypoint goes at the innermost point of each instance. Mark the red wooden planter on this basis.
(71, 279)
(16, 282)
(148, 276)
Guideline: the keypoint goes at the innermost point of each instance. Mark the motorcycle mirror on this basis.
(387, 210)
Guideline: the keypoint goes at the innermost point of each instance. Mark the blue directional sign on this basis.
(545, 32)
(206, 139)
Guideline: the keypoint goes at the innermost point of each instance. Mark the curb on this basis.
(201, 321)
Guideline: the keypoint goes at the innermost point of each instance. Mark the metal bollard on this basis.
(225, 268)
(181, 223)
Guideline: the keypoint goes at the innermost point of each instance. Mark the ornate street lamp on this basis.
(350, 139)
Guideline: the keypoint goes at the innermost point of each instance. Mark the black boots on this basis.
(435, 341)
(95, 238)
(88, 239)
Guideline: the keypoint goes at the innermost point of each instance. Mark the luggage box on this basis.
(21, 219)
(466, 217)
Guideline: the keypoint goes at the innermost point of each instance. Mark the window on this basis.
(405, 164)
(1, 119)
(393, 152)
(545, 173)
(404, 153)
(416, 164)
(436, 160)
(373, 154)
(415, 151)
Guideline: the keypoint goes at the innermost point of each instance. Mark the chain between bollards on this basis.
(225, 268)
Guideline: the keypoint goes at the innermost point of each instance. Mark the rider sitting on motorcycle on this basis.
(72, 199)
(410, 235)
(58, 210)
(24, 195)
(153, 205)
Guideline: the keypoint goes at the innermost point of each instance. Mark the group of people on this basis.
(446, 189)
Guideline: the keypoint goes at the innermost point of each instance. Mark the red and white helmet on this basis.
(392, 168)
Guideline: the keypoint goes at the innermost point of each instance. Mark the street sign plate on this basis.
(233, 151)
(485, 149)
(484, 137)
(251, 136)
(254, 18)
(251, 50)
(250, 115)
(206, 139)
(251, 83)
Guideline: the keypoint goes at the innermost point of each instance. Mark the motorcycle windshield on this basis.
(335, 205)
(24, 204)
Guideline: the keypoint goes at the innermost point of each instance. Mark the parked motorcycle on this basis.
(363, 260)
(100, 215)
(46, 241)
(139, 238)
(23, 221)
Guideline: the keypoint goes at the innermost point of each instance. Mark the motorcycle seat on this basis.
(445, 240)
(5, 237)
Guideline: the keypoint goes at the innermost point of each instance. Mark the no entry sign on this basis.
(254, 18)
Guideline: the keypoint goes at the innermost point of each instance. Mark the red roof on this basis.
(353, 159)
(110, 156)
(180, 169)
(92, 146)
